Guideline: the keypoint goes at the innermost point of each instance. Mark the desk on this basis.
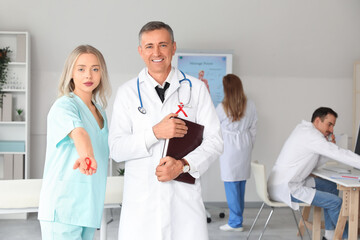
(22, 196)
(350, 206)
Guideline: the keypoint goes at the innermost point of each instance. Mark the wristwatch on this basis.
(186, 167)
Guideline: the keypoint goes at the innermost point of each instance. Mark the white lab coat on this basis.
(303, 151)
(239, 138)
(152, 209)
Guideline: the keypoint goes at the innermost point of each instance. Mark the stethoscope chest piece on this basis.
(142, 110)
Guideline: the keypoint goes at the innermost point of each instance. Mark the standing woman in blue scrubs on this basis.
(75, 172)
(237, 115)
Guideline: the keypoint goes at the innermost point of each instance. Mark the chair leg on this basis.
(305, 216)
(267, 221)
(256, 218)
(297, 224)
(111, 218)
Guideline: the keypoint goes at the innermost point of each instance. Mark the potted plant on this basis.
(4, 62)
(121, 171)
(19, 116)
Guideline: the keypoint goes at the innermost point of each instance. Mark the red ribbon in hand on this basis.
(88, 164)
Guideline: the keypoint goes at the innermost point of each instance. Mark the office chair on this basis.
(259, 174)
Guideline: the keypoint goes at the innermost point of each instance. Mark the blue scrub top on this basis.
(68, 196)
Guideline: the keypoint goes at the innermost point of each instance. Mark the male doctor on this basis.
(308, 147)
(154, 205)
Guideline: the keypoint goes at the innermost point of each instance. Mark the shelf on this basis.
(13, 123)
(17, 63)
(14, 90)
(1, 153)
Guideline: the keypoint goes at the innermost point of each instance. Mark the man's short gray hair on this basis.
(156, 25)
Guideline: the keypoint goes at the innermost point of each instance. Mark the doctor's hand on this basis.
(170, 127)
(86, 165)
(168, 169)
(333, 138)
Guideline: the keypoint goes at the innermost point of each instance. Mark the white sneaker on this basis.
(226, 227)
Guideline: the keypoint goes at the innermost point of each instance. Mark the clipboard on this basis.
(180, 147)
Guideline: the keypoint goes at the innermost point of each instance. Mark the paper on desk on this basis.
(336, 169)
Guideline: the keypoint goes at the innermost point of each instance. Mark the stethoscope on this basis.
(143, 110)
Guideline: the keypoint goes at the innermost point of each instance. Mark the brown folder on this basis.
(180, 147)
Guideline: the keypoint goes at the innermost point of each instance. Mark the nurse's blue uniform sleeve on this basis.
(64, 116)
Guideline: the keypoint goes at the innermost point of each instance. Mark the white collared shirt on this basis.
(155, 83)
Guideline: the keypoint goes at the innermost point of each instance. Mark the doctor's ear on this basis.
(174, 48)
(318, 123)
(317, 120)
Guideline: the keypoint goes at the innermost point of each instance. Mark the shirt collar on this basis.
(154, 83)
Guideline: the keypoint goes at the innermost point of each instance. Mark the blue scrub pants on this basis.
(61, 231)
(326, 197)
(235, 196)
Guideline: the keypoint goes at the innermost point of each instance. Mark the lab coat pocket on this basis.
(137, 181)
(187, 191)
(190, 112)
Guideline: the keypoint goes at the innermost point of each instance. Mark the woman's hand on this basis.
(86, 165)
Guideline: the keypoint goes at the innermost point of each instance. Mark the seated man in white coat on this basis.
(308, 147)
(154, 205)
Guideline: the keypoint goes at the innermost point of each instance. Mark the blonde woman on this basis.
(74, 181)
(238, 118)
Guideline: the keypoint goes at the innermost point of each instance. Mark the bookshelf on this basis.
(15, 129)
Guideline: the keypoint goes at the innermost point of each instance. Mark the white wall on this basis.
(293, 56)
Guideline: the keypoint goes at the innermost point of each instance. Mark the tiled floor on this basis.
(281, 227)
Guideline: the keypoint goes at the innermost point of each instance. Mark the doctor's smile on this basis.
(158, 60)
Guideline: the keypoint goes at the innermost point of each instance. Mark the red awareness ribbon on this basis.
(181, 109)
(88, 164)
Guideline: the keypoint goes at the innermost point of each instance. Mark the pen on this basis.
(350, 177)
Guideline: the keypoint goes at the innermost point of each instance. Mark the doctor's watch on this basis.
(186, 167)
